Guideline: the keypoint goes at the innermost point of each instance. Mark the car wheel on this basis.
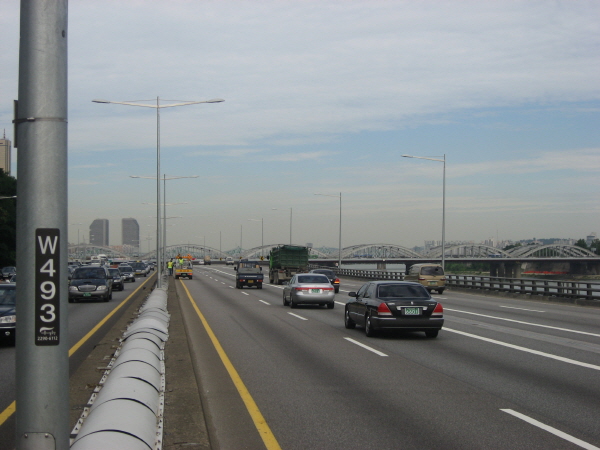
(292, 302)
(259, 286)
(440, 291)
(122, 287)
(348, 322)
(133, 281)
(330, 305)
(285, 302)
(369, 331)
(71, 300)
(107, 298)
(432, 333)
(337, 289)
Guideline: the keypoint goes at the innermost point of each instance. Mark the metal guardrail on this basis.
(528, 286)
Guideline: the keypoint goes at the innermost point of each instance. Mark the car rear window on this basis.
(125, 268)
(432, 270)
(402, 291)
(313, 279)
(328, 273)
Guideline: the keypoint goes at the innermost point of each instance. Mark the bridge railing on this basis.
(528, 286)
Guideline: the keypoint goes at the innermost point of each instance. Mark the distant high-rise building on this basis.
(99, 232)
(130, 232)
(5, 154)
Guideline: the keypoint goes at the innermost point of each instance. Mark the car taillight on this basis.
(383, 310)
(327, 289)
(301, 289)
(438, 311)
(337, 281)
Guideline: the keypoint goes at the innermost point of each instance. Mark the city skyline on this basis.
(326, 98)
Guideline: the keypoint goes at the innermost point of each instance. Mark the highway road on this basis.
(502, 374)
(83, 318)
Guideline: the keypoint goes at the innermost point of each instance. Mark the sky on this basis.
(325, 97)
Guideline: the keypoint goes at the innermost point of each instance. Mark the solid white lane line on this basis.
(296, 315)
(245, 293)
(521, 309)
(366, 347)
(560, 434)
(340, 303)
(524, 349)
(524, 323)
(266, 303)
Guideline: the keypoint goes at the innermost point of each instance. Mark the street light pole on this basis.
(340, 241)
(158, 106)
(443, 202)
(165, 204)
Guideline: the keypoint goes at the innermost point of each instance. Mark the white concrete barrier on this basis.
(125, 412)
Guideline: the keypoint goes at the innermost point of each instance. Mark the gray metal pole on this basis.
(42, 343)
(159, 261)
(340, 255)
(165, 217)
(444, 218)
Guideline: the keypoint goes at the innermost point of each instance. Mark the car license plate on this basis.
(433, 283)
(250, 281)
(315, 291)
(412, 311)
(87, 294)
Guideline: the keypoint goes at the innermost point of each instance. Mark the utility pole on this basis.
(42, 343)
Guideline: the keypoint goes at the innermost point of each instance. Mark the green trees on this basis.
(8, 220)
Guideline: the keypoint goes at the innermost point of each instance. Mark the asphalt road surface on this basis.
(83, 317)
(502, 374)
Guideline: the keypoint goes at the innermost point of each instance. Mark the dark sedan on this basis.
(394, 305)
(90, 283)
(118, 282)
(127, 272)
(8, 272)
(333, 279)
(8, 316)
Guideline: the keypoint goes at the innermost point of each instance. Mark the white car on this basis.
(229, 261)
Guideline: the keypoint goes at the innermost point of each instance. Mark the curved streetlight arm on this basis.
(423, 157)
(143, 105)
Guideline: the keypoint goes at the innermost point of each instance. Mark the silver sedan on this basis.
(309, 288)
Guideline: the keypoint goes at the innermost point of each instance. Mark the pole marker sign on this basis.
(47, 281)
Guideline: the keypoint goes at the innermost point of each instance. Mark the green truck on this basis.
(285, 261)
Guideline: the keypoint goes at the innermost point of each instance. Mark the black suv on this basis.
(90, 282)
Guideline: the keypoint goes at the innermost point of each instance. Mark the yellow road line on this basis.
(259, 421)
(10, 410)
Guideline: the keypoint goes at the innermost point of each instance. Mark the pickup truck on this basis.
(184, 270)
(248, 273)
